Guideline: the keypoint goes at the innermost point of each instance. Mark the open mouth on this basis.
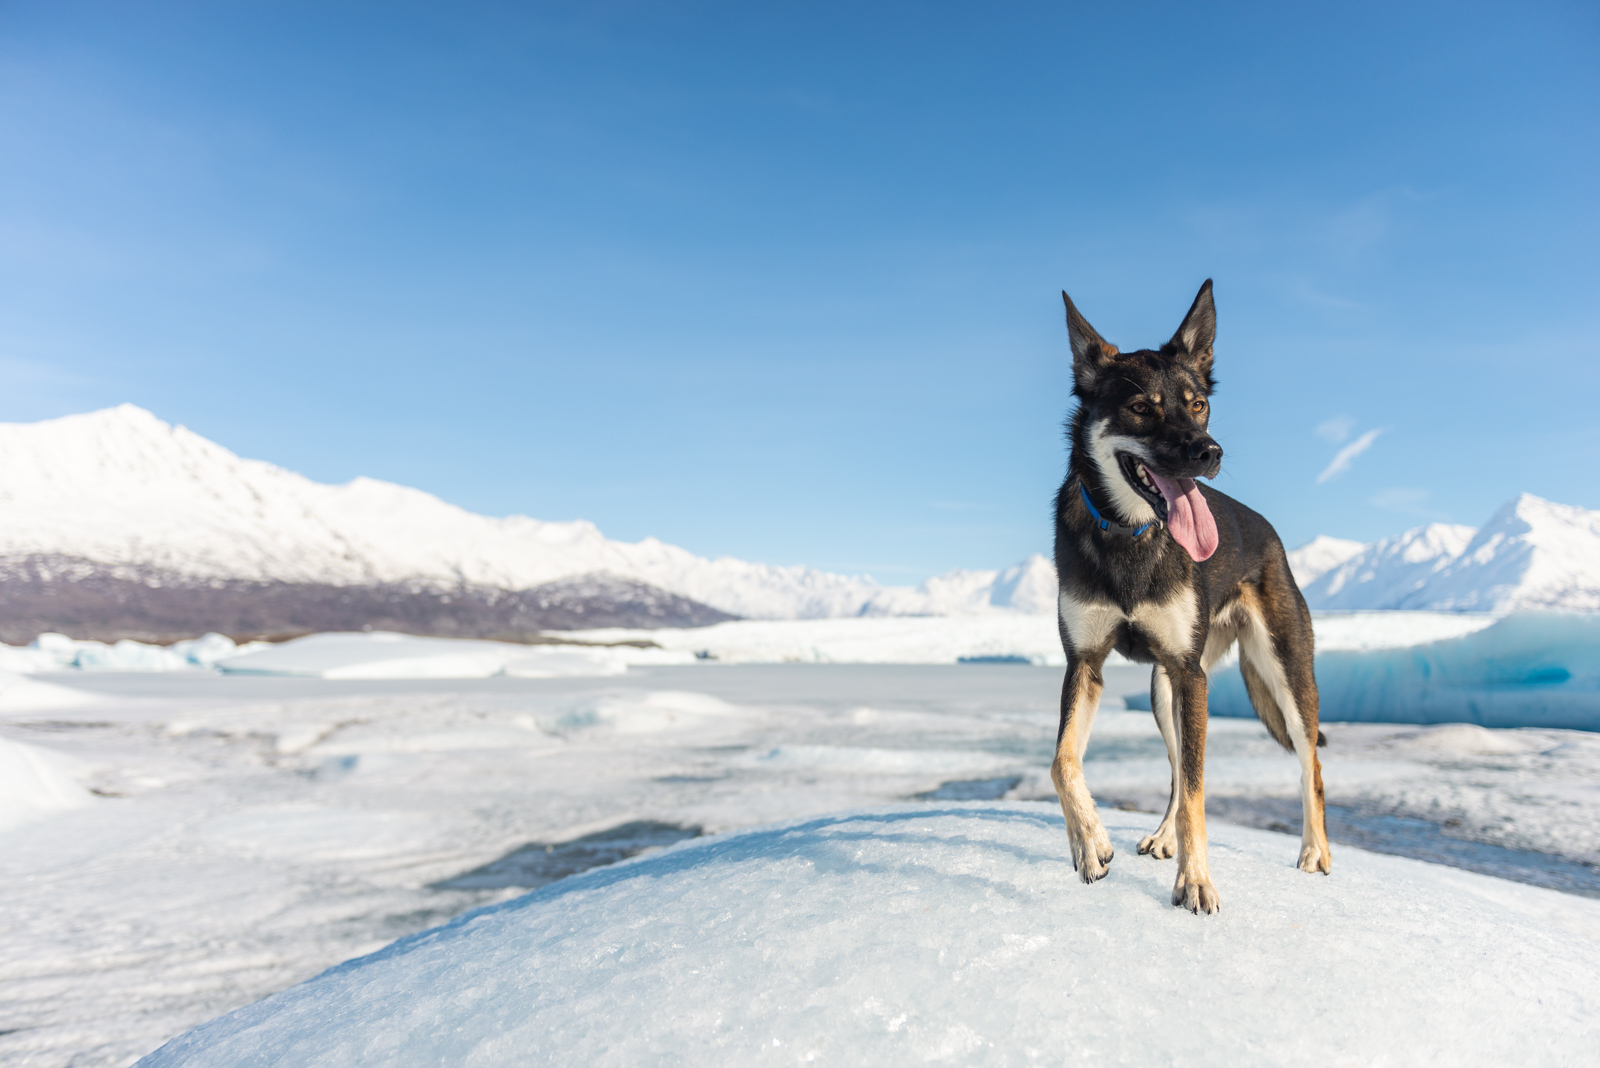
(1138, 476)
(1179, 504)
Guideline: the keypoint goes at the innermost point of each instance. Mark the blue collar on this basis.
(1106, 524)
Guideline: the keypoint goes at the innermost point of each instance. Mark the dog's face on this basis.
(1143, 416)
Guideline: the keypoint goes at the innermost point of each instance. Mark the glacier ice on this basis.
(58, 652)
(1531, 669)
(386, 655)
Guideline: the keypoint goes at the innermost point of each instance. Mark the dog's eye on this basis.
(1139, 408)
(1198, 406)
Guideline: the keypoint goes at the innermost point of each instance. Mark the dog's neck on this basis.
(1104, 524)
(1088, 480)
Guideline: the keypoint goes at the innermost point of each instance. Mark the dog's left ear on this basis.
(1193, 340)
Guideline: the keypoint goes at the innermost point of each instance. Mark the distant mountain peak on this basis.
(1531, 554)
(1320, 555)
(124, 489)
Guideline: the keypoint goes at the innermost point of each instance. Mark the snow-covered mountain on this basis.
(1532, 554)
(120, 489)
(1319, 556)
(1389, 570)
(117, 503)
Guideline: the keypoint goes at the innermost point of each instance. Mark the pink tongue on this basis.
(1188, 516)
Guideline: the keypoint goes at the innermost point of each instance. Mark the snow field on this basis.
(253, 830)
(956, 933)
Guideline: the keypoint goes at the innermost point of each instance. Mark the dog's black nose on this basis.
(1205, 451)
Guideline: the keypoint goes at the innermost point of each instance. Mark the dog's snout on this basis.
(1206, 452)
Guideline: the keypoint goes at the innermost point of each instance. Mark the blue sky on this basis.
(781, 281)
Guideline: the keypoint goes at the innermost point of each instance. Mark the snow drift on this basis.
(35, 782)
(956, 932)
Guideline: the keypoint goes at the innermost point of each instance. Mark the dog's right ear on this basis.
(1091, 354)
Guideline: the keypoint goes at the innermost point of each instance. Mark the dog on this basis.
(1171, 573)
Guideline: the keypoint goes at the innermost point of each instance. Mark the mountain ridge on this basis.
(1532, 554)
(97, 507)
(125, 489)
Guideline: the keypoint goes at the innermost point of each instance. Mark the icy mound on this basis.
(1526, 670)
(19, 694)
(383, 655)
(956, 932)
(36, 782)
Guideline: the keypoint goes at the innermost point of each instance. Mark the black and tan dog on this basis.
(1170, 573)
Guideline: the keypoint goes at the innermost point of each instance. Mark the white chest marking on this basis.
(1168, 627)
(1089, 624)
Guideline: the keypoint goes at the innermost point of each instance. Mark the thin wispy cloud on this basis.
(1336, 429)
(1346, 456)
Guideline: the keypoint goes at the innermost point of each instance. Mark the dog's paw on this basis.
(1315, 858)
(1102, 845)
(1162, 844)
(1195, 893)
(1092, 858)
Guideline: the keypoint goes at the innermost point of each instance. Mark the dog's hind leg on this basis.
(1164, 841)
(1275, 656)
(1080, 698)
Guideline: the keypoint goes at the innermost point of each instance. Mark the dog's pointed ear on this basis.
(1091, 354)
(1194, 338)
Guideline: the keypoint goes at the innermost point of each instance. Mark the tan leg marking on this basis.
(1192, 889)
(1091, 846)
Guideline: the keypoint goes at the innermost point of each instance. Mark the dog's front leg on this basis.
(1080, 698)
(1193, 890)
